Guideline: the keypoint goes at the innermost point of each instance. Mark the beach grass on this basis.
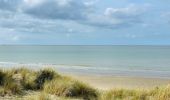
(158, 93)
(39, 96)
(45, 75)
(50, 85)
(68, 87)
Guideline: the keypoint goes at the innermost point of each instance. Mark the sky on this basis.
(85, 22)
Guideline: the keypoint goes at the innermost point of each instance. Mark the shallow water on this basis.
(148, 61)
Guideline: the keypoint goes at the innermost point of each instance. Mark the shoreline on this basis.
(91, 70)
(104, 81)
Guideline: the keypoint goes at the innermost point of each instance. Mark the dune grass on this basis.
(40, 96)
(125, 94)
(68, 87)
(158, 93)
(48, 82)
(45, 75)
(16, 81)
(8, 85)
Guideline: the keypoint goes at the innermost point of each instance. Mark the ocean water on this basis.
(144, 61)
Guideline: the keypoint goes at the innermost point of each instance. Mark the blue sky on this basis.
(85, 22)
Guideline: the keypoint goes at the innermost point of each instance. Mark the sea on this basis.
(113, 60)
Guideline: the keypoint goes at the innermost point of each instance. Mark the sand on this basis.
(109, 82)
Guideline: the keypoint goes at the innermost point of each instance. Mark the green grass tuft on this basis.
(2, 77)
(70, 88)
(43, 76)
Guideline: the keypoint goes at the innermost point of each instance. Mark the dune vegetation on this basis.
(47, 84)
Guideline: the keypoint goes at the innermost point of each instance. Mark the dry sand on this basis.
(109, 82)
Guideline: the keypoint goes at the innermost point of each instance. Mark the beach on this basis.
(27, 84)
(103, 80)
(106, 82)
(84, 50)
(124, 71)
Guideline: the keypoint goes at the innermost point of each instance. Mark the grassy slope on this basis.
(46, 84)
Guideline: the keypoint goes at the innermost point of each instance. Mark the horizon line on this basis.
(84, 45)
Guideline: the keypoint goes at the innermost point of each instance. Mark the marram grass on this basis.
(52, 86)
(158, 93)
(68, 87)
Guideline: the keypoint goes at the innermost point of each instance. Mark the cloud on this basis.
(57, 9)
(102, 21)
(81, 12)
(166, 17)
(35, 15)
(10, 4)
(90, 2)
(49, 9)
(8, 34)
(127, 12)
(118, 17)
